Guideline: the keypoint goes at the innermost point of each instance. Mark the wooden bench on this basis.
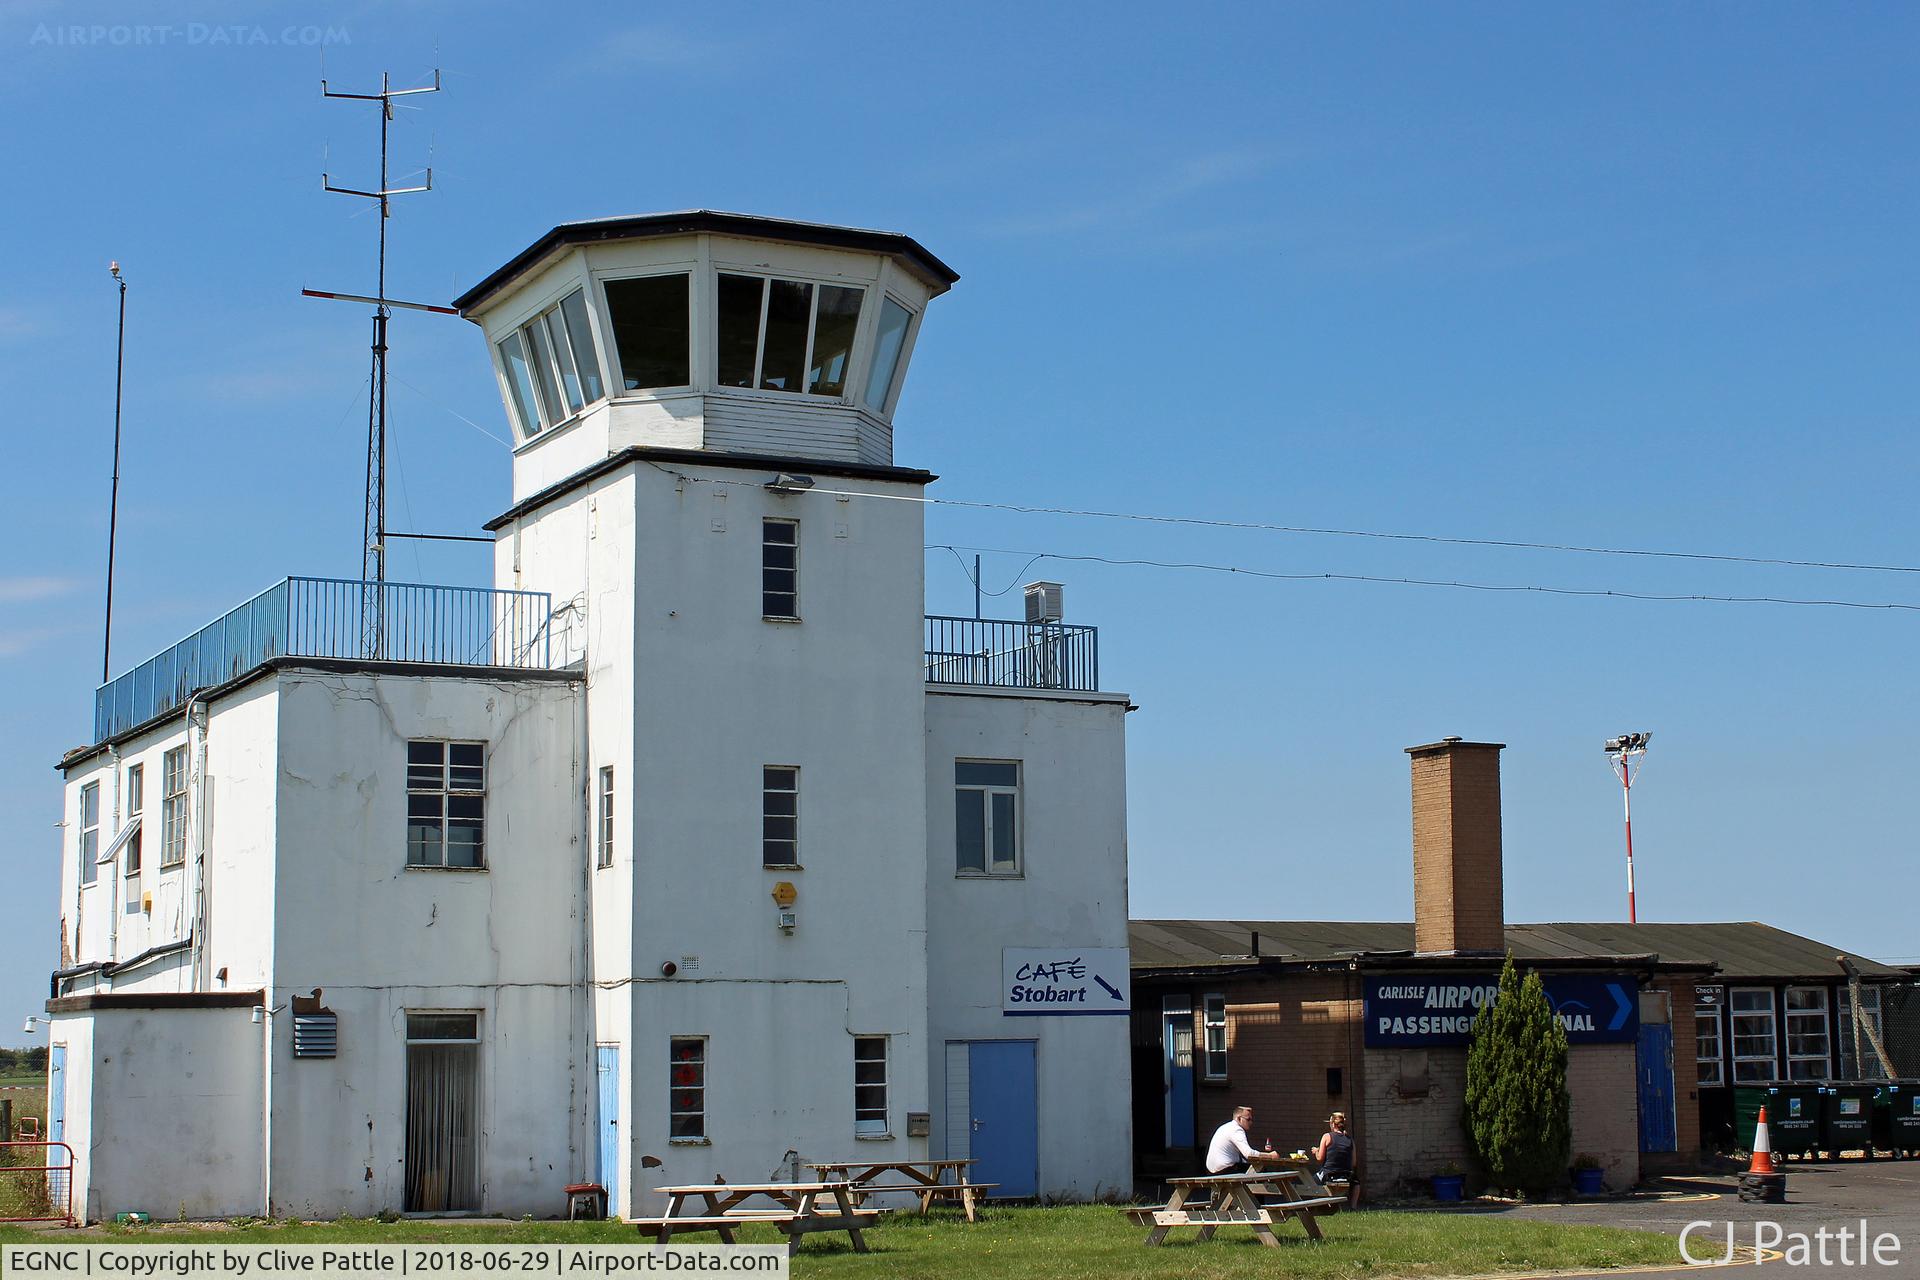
(799, 1212)
(1256, 1200)
(924, 1179)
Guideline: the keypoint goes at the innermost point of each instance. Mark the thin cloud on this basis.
(24, 590)
(1156, 190)
(16, 323)
(660, 47)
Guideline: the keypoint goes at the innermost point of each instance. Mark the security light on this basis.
(259, 1015)
(787, 482)
(32, 1027)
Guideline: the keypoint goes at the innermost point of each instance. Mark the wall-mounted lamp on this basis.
(261, 1013)
(32, 1027)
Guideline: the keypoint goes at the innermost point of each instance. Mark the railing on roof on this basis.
(1012, 655)
(334, 618)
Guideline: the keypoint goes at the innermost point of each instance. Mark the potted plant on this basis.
(1449, 1184)
(1587, 1175)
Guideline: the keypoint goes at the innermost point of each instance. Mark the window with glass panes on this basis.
(1755, 1053)
(89, 832)
(651, 328)
(1807, 1033)
(889, 342)
(446, 804)
(785, 335)
(780, 568)
(1866, 1064)
(605, 858)
(136, 803)
(1213, 1017)
(552, 366)
(986, 812)
(1706, 1043)
(780, 816)
(870, 1086)
(173, 807)
(687, 1088)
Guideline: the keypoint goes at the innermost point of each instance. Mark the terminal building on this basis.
(1303, 1018)
(688, 847)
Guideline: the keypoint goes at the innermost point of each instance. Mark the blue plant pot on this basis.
(1449, 1186)
(1589, 1182)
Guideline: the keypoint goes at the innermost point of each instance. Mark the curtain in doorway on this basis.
(442, 1117)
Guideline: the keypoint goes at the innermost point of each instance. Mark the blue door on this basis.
(1654, 1060)
(608, 1065)
(56, 1094)
(1005, 1120)
(1176, 1043)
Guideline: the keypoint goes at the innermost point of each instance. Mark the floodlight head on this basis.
(32, 1027)
(787, 482)
(259, 1015)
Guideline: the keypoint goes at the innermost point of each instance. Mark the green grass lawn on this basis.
(1077, 1243)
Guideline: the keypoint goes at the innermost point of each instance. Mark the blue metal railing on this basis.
(334, 618)
(1012, 655)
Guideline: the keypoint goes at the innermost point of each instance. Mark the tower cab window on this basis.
(652, 330)
(785, 335)
(552, 366)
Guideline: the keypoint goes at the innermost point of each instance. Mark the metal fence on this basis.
(1012, 655)
(334, 618)
(36, 1182)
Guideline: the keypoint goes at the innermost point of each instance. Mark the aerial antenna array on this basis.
(373, 530)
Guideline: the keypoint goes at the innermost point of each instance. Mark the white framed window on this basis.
(687, 1088)
(651, 326)
(89, 832)
(1707, 1049)
(136, 804)
(986, 817)
(785, 335)
(173, 807)
(552, 366)
(1213, 1026)
(1755, 1053)
(605, 857)
(780, 569)
(1807, 1033)
(870, 1087)
(446, 804)
(780, 815)
(889, 342)
(1867, 1065)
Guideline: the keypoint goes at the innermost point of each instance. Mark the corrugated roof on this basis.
(1742, 951)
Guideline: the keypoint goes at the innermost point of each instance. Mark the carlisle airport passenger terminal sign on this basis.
(1408, 1010)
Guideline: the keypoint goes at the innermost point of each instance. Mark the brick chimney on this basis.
(1457, 903)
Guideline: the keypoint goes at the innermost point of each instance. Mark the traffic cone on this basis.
(1762, 1148)
(1763, 1183)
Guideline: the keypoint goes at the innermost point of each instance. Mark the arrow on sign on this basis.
(1111, 989)
(1622, 1006)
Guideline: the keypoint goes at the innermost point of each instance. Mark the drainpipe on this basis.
(113, 894)
(202, 831)
(266, 1012)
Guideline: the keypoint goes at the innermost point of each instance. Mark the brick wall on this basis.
(1282, 1036)
(1602, 1078)
(1413, 1106)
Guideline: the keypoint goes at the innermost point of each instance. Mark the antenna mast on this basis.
(373, 529)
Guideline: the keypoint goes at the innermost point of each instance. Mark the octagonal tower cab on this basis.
(700, 330)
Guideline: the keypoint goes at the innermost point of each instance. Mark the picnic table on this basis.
(798, 1211)
(1257, 1200)
(929, 1180)
(1273, 1161)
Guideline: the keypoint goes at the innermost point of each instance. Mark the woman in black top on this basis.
(1335, 1152)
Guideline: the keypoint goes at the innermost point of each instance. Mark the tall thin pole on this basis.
(113, 499)
(976, 588)
(1626, 793)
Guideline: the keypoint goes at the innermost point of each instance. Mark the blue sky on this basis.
(1632, 275)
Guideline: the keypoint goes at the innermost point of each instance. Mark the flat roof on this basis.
(1741, 951)
(904, 249)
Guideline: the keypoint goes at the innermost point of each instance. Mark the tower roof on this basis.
(905, 250)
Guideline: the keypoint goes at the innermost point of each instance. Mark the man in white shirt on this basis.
(1230, 1151)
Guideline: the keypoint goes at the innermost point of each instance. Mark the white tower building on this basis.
(690, 848)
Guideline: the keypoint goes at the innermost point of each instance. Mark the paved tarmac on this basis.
(1836, 1196)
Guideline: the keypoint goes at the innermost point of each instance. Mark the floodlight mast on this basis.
(1628, 752)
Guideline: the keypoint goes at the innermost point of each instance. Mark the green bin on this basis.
(1846, 1118)
(1902, 1099)
(1793, 1116)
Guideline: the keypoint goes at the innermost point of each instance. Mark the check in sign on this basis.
(1051, 982)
